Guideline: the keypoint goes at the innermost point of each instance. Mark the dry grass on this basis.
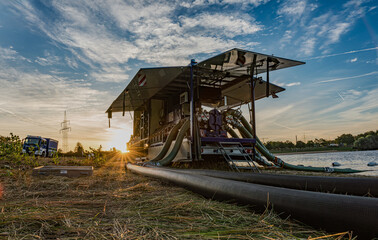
(114, 205)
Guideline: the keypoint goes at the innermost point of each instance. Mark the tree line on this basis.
(363, 141)
(79, 151)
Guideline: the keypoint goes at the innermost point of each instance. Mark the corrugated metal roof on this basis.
(229, 71)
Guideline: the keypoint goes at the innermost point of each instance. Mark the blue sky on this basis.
(79, 55)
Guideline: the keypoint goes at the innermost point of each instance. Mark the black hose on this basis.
(334, 212)
(344, 185)
(230, 131)
(246, 124)
(176, 147)
(198, 138)
(172, 135)
(277, 161)
(261, 161)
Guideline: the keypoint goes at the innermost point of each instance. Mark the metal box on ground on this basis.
(68, 171)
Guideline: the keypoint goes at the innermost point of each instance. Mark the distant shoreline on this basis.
(309, 152)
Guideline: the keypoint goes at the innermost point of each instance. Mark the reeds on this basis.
(113, 204)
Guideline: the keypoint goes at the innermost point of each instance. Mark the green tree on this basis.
(300, 144)
(321, 142)
(310, 144)
(79, 149)
(10, 146)
(365, 134)
(11, 149)
(289, 144)
(347, 139)
(97, 156)
(370, 142)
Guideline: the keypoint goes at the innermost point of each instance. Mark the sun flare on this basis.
(118, 139)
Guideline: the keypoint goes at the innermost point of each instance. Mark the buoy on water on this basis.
(372, 164)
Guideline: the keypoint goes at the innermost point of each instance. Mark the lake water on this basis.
(355, 160)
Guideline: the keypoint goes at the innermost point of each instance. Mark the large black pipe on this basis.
(176, 147)
(344, 185)
(171, 136)
(246, 131)
(333, 212)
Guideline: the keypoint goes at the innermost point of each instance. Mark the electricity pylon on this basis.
(64, 130)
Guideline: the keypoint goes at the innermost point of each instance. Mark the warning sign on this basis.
(142, 80)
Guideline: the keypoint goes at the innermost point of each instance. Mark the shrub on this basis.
(11, 152)
(370, 142)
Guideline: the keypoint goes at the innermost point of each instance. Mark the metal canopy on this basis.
(229, 71)
(145, 84)
(238, 62)
(241, 93)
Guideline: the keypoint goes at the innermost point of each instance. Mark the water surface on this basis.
(356, 160)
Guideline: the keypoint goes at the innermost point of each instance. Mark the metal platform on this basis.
(68, 171)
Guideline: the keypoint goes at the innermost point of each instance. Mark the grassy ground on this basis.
(114, 205)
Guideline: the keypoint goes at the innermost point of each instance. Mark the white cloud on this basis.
(253, 2)
(161, 39)
(335, 32)
(195, 3)
(318, 115)
(343, 53)
(42, 91)
(147, 32)
(10, 54)
(287, 84)
(222, 24)
(355, 107)
(293, 8)
(364, 109)
(354, 3)
(273, 113)
(293, 84)
(346, 78)
(137, 11)
(83, 34)
(184, 46)
(71, 62)
(353, 60)
(36, 102)
(287, 36)
(319, 32)
(354, 92)
(47, 60)
(111, 74)
(308, 46)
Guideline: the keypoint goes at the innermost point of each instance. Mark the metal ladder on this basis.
(232, 161)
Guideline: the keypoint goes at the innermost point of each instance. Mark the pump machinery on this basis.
(190, 113)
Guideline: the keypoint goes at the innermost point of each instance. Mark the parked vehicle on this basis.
(40, 146)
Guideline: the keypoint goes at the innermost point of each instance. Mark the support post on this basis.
(109, 115)
(267, 76)
(253, 83)
(192, 139)
(123, 103)
(252, 115)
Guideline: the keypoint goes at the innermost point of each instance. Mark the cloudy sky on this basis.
(79, 55)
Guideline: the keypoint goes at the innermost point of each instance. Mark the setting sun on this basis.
(119, 137)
